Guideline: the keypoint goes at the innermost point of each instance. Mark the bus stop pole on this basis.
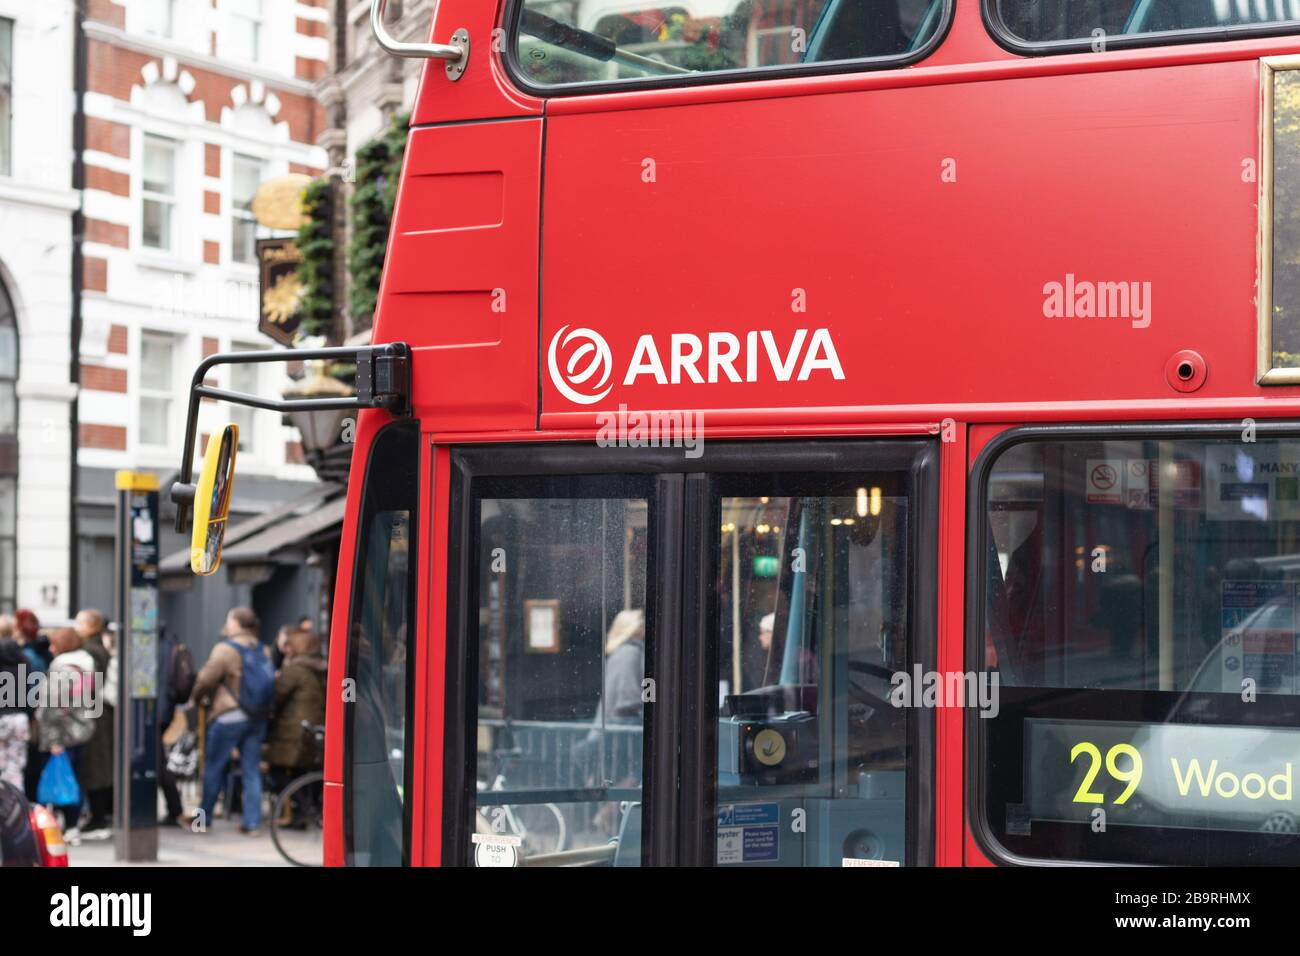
(135, 752)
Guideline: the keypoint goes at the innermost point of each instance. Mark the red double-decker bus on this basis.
(831, 432)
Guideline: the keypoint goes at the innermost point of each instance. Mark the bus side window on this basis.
(1140, 607)
(380, 636)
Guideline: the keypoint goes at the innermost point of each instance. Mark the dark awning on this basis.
(285, 541)
(277, 535)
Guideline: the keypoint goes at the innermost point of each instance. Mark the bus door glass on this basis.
(561, 666)
(815, 597)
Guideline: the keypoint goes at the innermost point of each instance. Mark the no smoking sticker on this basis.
(1105, 483)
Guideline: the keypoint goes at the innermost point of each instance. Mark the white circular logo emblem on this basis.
(587, 355)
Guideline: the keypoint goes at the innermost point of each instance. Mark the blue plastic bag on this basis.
(58, 784)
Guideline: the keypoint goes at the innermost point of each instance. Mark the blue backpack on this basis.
(257, 683)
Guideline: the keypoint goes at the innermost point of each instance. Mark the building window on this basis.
(157, 17)
(6, 93)
(245, 378)
(247, 177)
(157, 362)
(8, 451)
(245, 41)
(159, 192)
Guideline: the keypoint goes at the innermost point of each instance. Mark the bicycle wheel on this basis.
(297, 828)
(540, 826)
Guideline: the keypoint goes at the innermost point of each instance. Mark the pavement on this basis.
(221, 845)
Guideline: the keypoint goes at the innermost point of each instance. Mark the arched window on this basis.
(8, 449)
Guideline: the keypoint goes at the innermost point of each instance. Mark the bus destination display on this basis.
(1160, 774)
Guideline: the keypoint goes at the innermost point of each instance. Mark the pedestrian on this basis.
(237, 684)
(175, 684)
(97, 758)
(65, 722)
(299, 698)
(35, 645)
(26, 630)
(14, 725)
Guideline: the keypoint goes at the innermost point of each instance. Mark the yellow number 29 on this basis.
(1132, 776)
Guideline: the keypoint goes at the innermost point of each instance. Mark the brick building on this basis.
(189, 105)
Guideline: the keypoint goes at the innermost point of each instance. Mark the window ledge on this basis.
(163, 262)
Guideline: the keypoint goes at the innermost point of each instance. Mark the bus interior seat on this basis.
(854, 29)
(627, 851)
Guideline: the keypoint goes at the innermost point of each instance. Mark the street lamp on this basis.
(320, 427)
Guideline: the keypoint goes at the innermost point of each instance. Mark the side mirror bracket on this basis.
(383, 381)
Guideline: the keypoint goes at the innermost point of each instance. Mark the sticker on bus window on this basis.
(1105, 481)
(1258, 637)
(1259, 482)
(749, 833)
(1136, 482)
(854, 861)
(496, 849)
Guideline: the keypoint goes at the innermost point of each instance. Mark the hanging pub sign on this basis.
(279, 288)
(278, 205)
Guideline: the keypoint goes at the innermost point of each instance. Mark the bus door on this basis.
(659, 660)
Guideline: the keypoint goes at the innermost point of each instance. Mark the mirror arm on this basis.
(383, 381)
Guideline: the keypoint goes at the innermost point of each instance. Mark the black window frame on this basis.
(380, 471)
(9, 459)
(680, 757)
(510, 57)
(1004, 38)
(7, 98)
(976, 753)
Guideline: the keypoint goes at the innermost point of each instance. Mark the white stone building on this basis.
(37, 203)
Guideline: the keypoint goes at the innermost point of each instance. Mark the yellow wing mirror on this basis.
(212, 500)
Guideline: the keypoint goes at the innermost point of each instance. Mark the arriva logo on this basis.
(690, 358)
(591, 344)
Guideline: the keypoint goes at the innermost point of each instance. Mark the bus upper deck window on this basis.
(562, 42)
(1043, 25)
(1140, 601)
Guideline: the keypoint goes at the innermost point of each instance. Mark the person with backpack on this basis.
(237, 684)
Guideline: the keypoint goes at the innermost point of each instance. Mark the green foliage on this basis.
(379, 167)
(316, 243)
